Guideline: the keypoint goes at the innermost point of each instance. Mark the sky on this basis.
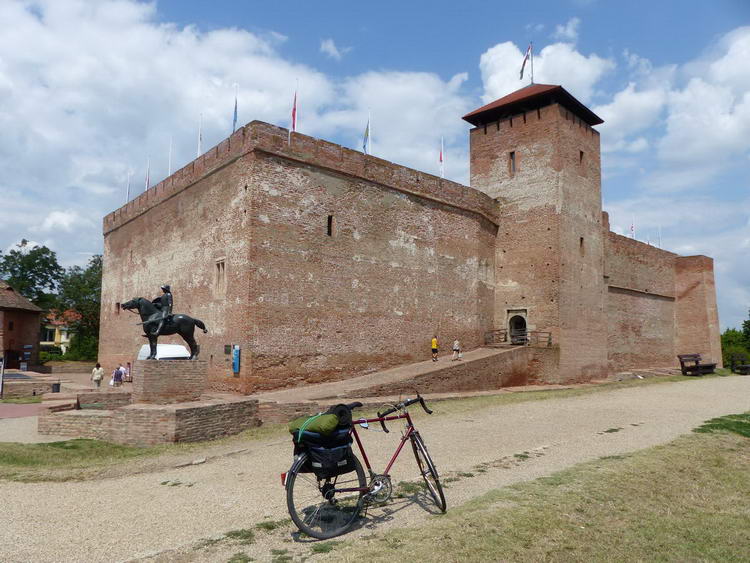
(93, 90)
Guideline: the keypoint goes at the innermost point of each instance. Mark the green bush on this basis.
(735, 352)
(47, 356)
(82, 348)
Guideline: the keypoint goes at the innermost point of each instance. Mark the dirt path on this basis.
(146, 514)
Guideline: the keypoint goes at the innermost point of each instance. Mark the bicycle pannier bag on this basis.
(330, 462)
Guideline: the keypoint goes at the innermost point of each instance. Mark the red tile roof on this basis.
(531, 97)
(11, 299)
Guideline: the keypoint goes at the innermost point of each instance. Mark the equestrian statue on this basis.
(157, 319)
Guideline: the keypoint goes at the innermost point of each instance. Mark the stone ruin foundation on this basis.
(168, 404)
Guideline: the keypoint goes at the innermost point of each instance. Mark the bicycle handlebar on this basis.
(418, 399)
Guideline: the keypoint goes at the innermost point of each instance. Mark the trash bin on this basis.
(56, 387)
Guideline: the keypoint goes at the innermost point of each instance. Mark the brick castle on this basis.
(323, 263)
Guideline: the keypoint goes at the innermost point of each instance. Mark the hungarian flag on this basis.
(234, 118)
(525, 58)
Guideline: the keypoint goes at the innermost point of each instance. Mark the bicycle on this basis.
(325, 507)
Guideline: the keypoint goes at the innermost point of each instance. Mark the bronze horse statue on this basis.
(175, 324)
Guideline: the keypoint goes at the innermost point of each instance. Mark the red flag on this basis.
(294, 112)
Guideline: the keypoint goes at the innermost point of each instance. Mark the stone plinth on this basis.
(163, 382)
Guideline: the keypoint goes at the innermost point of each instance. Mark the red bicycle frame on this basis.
(409, 431)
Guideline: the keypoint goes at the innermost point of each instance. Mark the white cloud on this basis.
(558, 63)
(567, 32)
(91, 90)
(629, 112)
(328, 46)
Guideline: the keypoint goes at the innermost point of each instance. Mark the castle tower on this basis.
(536, 153)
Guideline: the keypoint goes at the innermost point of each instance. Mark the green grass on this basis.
(23, 400)
(269, 525)
(240, 558)
(735, 423)
(612, 430)
(325, 547)
(243, 536)
(688, 500)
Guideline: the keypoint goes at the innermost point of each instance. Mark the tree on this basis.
(33, 271)
(746, 330)
(81, 291)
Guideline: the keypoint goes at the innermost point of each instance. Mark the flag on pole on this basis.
(632, 228)
(127, 190)
(294, 116)
(442, 163)
(148, 172)
(200, 135)
(525, 58)
(234, 118)
(366, 137)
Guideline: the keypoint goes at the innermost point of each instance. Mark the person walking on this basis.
(117, 376)
(434, 349)
(456, 350)
(97, 374)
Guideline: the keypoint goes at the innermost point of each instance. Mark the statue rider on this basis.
(164, 304)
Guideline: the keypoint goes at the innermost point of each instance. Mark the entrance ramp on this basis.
(482, 369)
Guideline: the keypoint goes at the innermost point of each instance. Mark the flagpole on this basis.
(532, 61)
(169, 164)
(148, 172)
(127, 189)
(369, 132)
(200, 134)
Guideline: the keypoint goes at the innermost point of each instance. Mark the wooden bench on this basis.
(690, 364)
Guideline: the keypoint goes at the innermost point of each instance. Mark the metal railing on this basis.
(537, 338)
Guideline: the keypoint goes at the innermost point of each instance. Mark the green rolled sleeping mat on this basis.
(323, 424)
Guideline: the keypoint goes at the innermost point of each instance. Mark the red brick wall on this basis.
(697, 316)
(25, 331)
(95, 424)
(412, 255)
(13, 389)
(168, 381)
(640, 304)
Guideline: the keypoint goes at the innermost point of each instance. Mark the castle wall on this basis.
(640, 304)
(697, 317)
(395, 270)
(415, 253)
(179, 241)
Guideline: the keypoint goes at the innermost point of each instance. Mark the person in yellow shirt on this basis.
(434, 349)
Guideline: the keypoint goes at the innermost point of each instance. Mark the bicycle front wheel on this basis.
(428, 471)
(319, 507)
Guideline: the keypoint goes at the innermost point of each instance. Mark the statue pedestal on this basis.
(163, 382)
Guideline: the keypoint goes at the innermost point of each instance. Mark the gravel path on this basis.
(143, 515)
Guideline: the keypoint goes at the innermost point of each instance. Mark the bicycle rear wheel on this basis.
(317, 507)
(428, 471)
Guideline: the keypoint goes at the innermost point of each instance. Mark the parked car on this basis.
(165, 352)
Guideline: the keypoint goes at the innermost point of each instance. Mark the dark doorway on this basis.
(517, 326)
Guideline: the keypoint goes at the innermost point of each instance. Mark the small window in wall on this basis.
(117, 308)
(512, 162)
(580, 158)
(581, 248)
(220, 278)
(330, 226)
(10, 325)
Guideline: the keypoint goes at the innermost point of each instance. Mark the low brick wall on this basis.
(148, 424)
(106, 400)
(79, 423)
(274, 413)
(517, 366)
(72, 368)
(164, 382)
(26, 388)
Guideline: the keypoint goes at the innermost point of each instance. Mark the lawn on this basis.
(688, 500)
